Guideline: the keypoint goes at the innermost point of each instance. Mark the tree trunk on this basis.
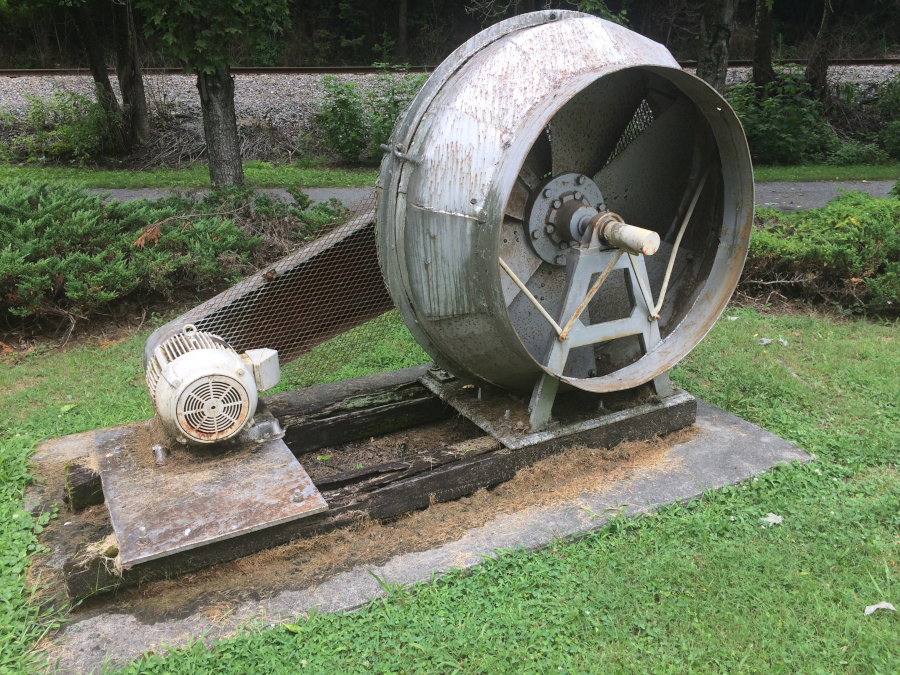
(84, 23)
(716, 25)
(128, 70)
(402, 44)
(220, 128)
(817, 66)
(763, 73)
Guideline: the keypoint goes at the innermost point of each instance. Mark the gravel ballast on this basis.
(288, 101)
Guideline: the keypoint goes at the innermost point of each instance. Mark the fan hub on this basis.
(558, 213)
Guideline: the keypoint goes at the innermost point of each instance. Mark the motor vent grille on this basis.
(213, 408)
(153, 374)
(189, 341)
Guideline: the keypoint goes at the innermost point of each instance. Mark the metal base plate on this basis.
(577, 414)
(197, 495)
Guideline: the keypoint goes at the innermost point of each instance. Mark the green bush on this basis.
(65, 126)
(342, 118)
(66, 253)
(846, 252)
(890, 138)
(856, 152)
(784, 126)
(387, 99)
(354, 124)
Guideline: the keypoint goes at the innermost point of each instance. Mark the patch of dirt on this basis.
(392, 447)
(217, 590)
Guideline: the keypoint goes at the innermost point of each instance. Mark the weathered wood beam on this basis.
(340, 412)
(469, 466)
(82, 484)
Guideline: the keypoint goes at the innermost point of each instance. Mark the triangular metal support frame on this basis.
(581, 265)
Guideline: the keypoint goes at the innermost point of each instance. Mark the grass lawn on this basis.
(823, 172)
(260, 174)
(702, 587)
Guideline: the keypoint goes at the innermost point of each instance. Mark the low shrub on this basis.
(856, 152)
(66, 253)
(341, 119)
(65, 126)
(846, 252)
(355, 124)
(784, 126)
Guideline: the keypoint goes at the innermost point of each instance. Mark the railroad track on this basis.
(362, 70)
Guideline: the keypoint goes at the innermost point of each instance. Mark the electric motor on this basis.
(204, 391)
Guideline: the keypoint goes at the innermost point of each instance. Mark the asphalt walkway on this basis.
(782, 196)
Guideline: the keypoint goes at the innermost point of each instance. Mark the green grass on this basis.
(260, 174)
(823, 172)
(697, 588)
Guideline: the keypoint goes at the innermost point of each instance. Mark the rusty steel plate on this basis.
(198, 495)
(506, 417)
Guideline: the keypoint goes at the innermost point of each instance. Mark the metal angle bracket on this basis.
(581, 265)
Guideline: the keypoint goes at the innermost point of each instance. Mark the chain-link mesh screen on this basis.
(309, 298)
(643, 118)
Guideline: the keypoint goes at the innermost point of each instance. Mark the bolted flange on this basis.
(557, 204)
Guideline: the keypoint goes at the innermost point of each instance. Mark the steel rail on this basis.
(368, 70)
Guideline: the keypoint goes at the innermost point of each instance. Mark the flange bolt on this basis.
(580, 181)
(549, 229)
(556, 203)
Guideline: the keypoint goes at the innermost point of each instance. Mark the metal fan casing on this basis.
(449, 178)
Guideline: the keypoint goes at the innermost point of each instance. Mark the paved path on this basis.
(349, 196)
(794, 196)
(783, 196)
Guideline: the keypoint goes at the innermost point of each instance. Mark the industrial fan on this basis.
(563, 204)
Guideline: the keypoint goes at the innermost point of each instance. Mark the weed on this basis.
(65, 126)
(784, 126)
(341, 118)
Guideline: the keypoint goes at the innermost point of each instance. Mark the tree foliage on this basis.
(199, 33)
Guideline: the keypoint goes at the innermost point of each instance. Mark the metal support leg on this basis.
(542, 401)
(581, 265)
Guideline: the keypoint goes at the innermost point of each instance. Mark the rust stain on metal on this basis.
(199, 494)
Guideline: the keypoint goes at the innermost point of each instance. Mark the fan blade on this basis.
(646, 181)
(585, 131)
(519, 255)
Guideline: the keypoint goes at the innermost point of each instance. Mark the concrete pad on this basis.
(726, 451)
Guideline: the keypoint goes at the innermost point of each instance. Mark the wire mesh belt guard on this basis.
(316, 293)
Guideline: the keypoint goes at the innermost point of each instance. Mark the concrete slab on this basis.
(725, 451)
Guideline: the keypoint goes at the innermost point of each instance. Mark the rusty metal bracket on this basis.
(412, 159)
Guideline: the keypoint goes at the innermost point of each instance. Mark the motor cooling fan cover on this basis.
(542, 118)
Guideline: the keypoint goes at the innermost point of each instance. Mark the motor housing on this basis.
(203, 391)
